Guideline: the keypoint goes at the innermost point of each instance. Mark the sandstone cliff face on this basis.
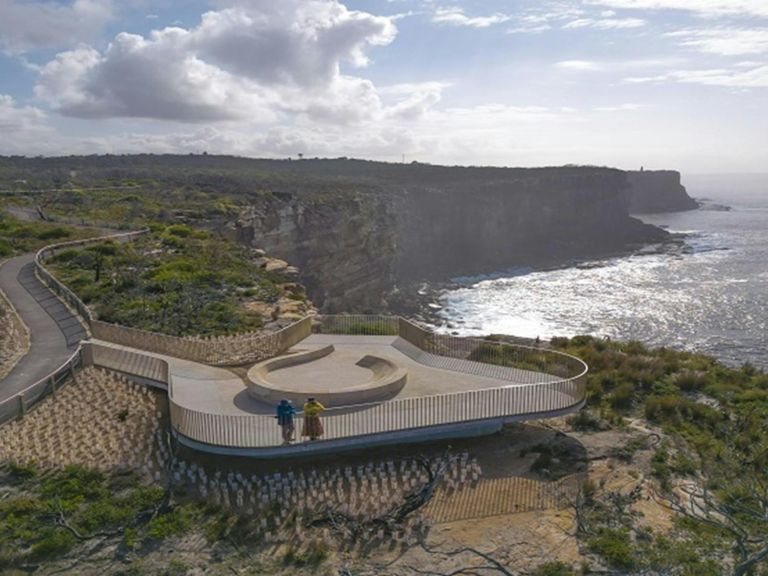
(542, 217)
(657, 191)
(434, 223)
(344, 247)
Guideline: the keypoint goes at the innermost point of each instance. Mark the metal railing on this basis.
(492, 359)
(18, 404)
(216, 350)
(252, 431)
(357, 325)
(56, 286)
(261, 431)
(561, 389)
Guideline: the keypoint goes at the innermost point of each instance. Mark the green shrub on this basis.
(684, 465)
(367, 329)
(690, 381)
(75, 484)
(173, 523)
(660, 466)
(20, 472)
(585, 421)
(55, 233)
(180, 230)
(554, 569)
(314, 554)
(614, 546)
(52, 542)
(622, 397)
(542, 462)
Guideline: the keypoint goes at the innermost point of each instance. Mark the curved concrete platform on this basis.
(298, 376)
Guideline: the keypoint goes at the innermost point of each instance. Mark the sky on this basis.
(677, 84)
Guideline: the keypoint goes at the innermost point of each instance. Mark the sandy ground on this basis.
(14, 338)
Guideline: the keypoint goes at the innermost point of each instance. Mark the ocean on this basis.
(709, 295)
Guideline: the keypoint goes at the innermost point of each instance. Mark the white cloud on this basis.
(537, 29)
(14, 118)
(739, 78)
(24, 128)
(755, 78)
(456, 17)
(579, 65)
(627, 107)
(254, 60)
(27, 26)
(645, 79)
(702, 7)
(568, 17)
(605, 23)
(724, 41)
(296, 41)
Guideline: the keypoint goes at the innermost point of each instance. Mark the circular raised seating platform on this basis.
(342, 381)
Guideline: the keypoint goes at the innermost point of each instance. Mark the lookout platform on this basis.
(443, 395)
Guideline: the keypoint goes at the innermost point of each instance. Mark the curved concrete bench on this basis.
(387, 380)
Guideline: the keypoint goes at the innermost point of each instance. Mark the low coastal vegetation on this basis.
(709, 459)
(129, 191)
(60, 510)
(176, 280)
(18, 237)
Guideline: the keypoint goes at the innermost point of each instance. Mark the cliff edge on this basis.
(653, 191)
(405, 224)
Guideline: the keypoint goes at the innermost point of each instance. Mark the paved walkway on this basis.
(54, 330)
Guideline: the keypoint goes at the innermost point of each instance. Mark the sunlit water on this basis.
(712, 300)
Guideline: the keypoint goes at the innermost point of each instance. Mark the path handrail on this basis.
(18, 404)
(508, 402)
(58, 287)
(496, 356)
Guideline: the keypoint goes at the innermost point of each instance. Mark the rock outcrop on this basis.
(653, 191)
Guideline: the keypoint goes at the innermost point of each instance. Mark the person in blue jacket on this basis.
(285, 413)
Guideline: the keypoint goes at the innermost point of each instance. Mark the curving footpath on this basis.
(54, 330)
